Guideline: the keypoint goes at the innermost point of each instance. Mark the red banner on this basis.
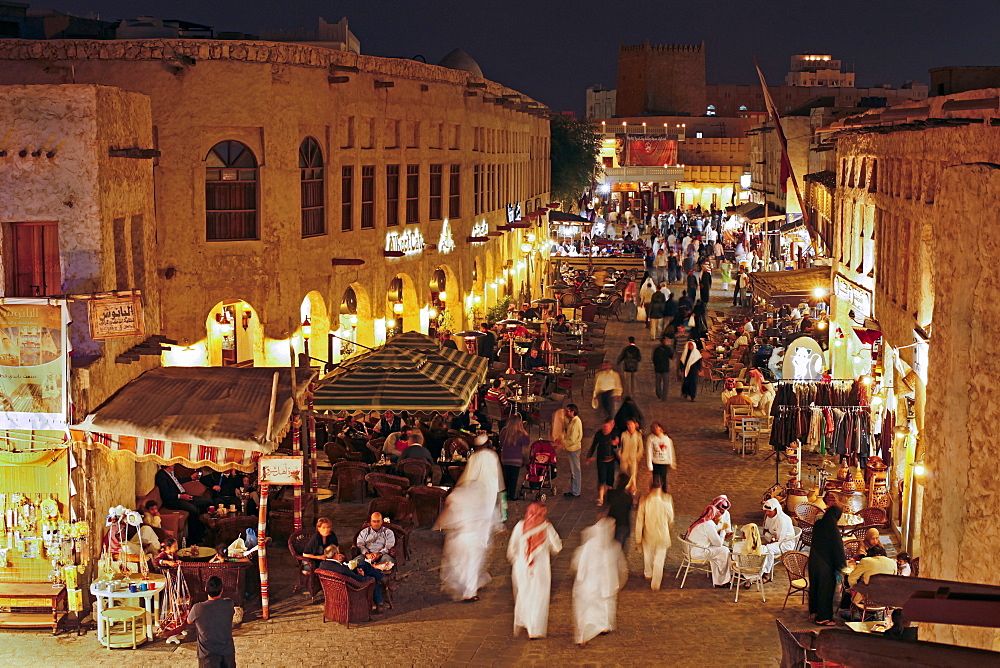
(640, 151)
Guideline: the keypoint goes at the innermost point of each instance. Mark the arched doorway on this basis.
(315, 324)
(401, 311)
(235, 335)
(344, 340)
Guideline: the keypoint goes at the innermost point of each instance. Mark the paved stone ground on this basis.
(697, 625)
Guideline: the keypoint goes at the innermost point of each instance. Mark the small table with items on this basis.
(109, 594)
(49, 600)
(446, 464)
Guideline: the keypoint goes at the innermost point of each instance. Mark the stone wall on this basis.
(74, 182)
(661, 78)
(271, 97)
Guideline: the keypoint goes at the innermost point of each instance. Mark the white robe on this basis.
(600, 572)
(706, 536)
(779, 537)
(469, 519)
(532, 582)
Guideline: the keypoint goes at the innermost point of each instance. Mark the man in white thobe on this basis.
(469, 520)
(600, 573)
(532, 542)
(778, 536)
(652, 532)
(707, 544)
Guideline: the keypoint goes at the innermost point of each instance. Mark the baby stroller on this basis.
(541, 470)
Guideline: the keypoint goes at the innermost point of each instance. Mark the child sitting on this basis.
(167, 558)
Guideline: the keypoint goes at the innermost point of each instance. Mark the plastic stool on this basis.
(133, 629)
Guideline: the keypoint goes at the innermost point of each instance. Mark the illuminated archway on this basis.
(315, 325)
(235, 335)
(445, 300)
(402, 309)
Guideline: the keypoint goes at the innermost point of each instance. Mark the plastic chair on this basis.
(796, 566)
(689, 563)
(748, 433)
(736, 416)
(748, 568)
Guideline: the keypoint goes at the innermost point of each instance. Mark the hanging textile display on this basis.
(830, 417)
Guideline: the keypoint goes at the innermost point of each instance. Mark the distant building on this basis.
(661, 79)
(336, 36)
(19, 22)
(817, 70)
(949, 80)
(600, 102)
(150, 27)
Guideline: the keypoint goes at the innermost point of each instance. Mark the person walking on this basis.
(652, 532)
(604, 450)
(705, 283)
(513, 452)
(826, 559)
(690, 363)
(601, 572)
(660, 457)
(213, 620)
(738, 287)
(572, 441)
(629, 359)
(532, 542)
(607, 390)
(632, 453)
(662, 354)
(655, 314)
(692, 285)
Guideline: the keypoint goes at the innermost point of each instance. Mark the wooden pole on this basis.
(297, 491)
(265, 602)
(311, 422)
(270, 413)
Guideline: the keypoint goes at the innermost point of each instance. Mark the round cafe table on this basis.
(150, 600)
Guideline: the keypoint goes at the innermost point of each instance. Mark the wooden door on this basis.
(34, 270)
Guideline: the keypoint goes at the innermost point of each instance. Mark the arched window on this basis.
(231, 193)
(311, 170)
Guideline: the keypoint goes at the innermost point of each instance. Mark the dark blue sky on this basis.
(554, 50)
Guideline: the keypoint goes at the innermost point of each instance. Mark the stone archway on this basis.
(402, 307)
(235, 336)
(315, 326)
(445, 298)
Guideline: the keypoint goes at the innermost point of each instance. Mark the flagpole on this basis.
(772, 111)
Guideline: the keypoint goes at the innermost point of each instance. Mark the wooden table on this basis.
(41, 595)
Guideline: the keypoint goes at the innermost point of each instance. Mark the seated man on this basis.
(376, 540)
(334, 561)
(533, 360)
(175, 497)
(499, 394)
(222, 486)
(740, 398)
(417, 451)
(876, 563)
(560, 325)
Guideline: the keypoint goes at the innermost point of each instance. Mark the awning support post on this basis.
(297, 498)
(265, 599)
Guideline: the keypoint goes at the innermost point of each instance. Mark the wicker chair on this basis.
(384, 484)
(308, 581)
(399, 508)
(456, 444)
(805, 538)
(232, 573)
(794, 654)
(350, 477)
(865, 605)
(852, 548)
(427, 504)
(417, 471)
(796, 566)
(228, 529)
(400, 552)
(860, 531)
(346, 600)
(873, 517)
(805, 513)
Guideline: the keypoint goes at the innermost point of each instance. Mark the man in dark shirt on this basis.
(604, 446)
(487, 343)
(417, 451)
(619, 508)
(334, 561)
(214, 621)
(662, 354)
(175, 497)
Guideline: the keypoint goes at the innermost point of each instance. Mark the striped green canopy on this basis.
(395, 378)
(435, 352)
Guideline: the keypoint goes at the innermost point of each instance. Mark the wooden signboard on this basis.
(115, 316)
(281, 469)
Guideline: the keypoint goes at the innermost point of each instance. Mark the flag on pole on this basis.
(786, 163)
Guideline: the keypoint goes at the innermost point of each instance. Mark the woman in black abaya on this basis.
(826, 559)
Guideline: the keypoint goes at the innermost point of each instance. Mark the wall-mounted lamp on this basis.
(443, 296)
(246, 319)
(397, 307)
(306, 327)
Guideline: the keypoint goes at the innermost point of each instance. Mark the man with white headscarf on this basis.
(707, 544)
(779, 534)
(532, 542)
(645, 297)
(470, 517)
(600, 573)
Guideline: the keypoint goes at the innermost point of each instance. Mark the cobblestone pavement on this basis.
(697, 625)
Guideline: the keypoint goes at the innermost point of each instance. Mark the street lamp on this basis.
(306, 333)
(526, 249)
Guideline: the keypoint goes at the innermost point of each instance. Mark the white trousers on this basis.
(653, 557)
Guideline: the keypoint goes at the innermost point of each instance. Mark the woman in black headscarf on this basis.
(629, 410)
(826, 559)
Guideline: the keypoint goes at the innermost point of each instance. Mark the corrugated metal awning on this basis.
(204, 416)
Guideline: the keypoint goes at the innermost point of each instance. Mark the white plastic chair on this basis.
(689, 562)
(749, 433)
(748, 568)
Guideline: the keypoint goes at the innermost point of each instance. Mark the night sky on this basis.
(553, 51)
